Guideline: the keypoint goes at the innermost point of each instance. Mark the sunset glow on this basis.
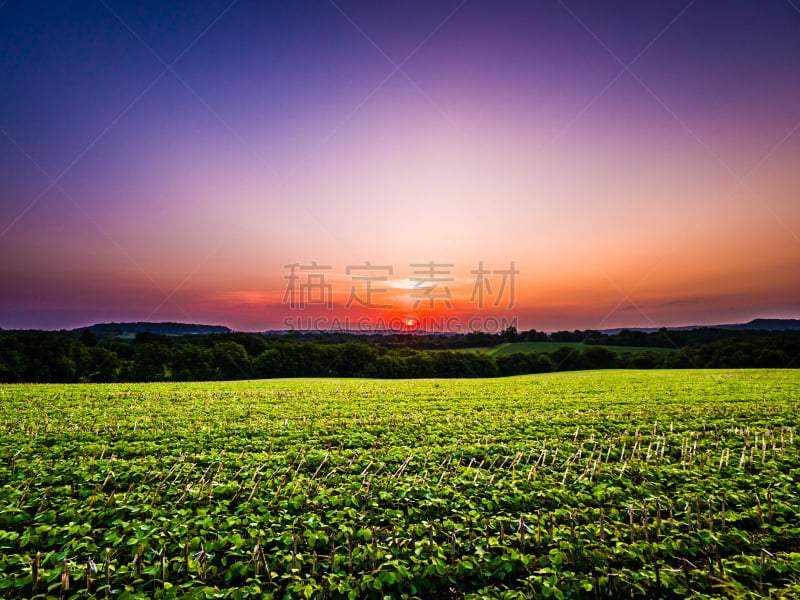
(637, 165)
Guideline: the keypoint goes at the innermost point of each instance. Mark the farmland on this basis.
(510, 348)
(593, 484)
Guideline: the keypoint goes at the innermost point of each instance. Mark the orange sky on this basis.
(642, 172)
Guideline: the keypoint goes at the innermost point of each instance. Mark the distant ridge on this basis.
(130, 329)
(767, 324)
(122, 329)
(754, 325)
(169, 328)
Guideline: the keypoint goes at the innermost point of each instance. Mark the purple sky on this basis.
(166, 160)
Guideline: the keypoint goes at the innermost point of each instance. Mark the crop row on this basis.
(583, 486)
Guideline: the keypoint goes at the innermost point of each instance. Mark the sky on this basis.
(439, 164)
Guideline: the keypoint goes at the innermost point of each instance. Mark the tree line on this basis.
(37, 356)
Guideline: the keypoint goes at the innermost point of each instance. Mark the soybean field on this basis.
(591, 484)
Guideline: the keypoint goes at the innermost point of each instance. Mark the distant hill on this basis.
(765, 324)
(754, 325)
(131, 329)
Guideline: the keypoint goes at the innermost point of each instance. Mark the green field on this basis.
(511, 347)
(591, 484)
